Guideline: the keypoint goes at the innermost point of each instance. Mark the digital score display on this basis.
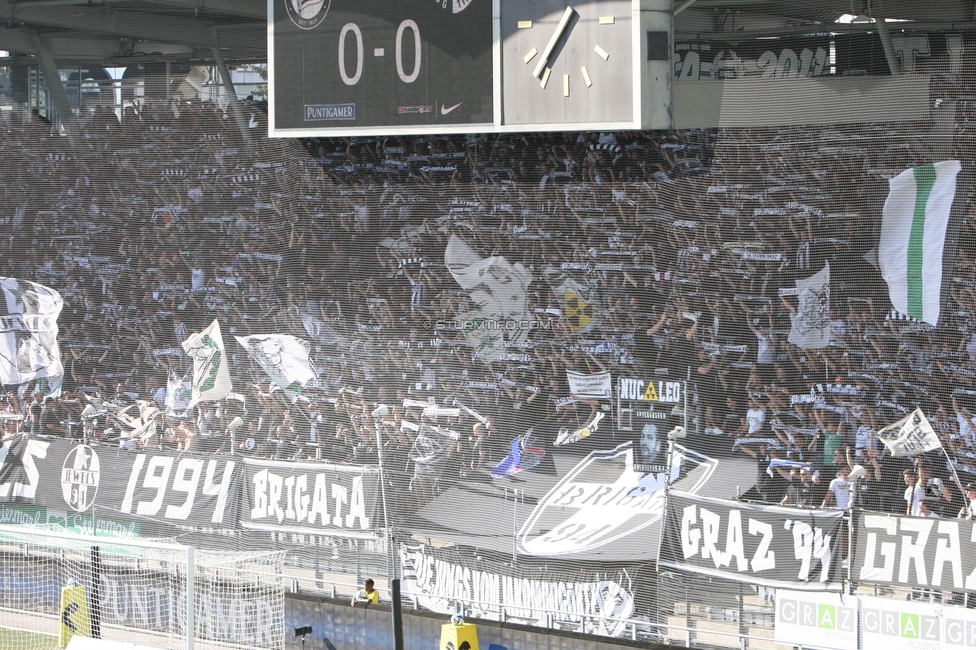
(419, 67)
(393, 66)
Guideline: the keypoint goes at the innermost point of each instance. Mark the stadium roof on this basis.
(124, 32)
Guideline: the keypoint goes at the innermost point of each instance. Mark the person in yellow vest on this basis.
(366, 595)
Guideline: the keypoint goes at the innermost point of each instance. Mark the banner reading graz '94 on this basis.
(916, 551)
(764, 545)
(311, 498)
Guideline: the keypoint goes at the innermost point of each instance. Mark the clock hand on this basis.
(556, 35)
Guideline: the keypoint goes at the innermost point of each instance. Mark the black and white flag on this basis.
(811, 322)
(28, 332)
(910, 436)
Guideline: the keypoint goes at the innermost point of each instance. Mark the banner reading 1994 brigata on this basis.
(762, 545)
(168, 486)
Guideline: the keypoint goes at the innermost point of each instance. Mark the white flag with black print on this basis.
(29, 332)
(211, 374)
(910, 436)
(137, 420)
(179, 392)
(811, 322)
(283, 357)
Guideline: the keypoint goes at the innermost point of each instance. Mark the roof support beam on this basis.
(102, 20)
(62, 47)
(821, 29)
(52, 79)
(235, 103)
(886, 44)
(230, 7)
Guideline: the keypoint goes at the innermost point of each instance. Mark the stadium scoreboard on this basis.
(404, 67)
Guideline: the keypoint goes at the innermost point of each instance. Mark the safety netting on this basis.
(481, 359)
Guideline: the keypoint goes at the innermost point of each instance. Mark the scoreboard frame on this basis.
(426, 67)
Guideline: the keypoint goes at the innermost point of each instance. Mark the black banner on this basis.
(763, 545)
(163, 485)
(601, 599)
(340, 500)
(916, 551)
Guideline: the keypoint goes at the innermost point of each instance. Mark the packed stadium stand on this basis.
(550, 373)
(664, 227)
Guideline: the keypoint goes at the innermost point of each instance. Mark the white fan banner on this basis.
(211, 374)
(586, 385)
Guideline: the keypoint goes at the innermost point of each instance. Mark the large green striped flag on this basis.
(913, 233)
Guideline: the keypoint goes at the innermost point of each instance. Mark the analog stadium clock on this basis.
(570, 62)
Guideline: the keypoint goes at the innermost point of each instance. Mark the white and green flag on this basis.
(913, 233)
(499, 291)
(211, 373)
(284, 358)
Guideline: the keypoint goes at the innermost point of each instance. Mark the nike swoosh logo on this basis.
(448, 109)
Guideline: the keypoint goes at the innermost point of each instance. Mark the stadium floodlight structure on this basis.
(146, 592)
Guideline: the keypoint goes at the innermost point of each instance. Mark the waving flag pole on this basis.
(913, 237)
(912, 436)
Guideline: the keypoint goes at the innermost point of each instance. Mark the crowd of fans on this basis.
(168, 218)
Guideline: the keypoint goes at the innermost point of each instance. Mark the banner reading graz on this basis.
(763, 545)
(311, 498)
(162, 485)
(916, 551)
